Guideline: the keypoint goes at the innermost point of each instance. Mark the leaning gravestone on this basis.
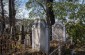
(58, 32)
(40, 37)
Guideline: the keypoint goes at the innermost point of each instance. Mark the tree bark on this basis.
(23, 35)
(3, 19)
(12, 13)
(50, 16)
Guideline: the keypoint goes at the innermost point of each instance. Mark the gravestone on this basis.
(18, 26)
(27, 40)
(40, 37)
(19, 40)
(58, 32)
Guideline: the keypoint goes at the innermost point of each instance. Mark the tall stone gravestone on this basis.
(58, 32)
(40, 37)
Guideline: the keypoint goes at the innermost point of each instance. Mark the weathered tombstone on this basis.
(19, 40)
(27, 40)
(40, 37)
(58, 32)
(19, 29)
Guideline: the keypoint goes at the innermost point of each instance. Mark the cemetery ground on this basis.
(42, 27)
(11, 47)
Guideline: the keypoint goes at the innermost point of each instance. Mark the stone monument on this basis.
(58, 32)
(40, 37)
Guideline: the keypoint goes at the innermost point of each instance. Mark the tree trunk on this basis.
(23, 35)
(3, 19)
(12, 13)
(49, 16)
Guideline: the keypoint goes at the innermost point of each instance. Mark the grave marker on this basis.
(40, 37)
(58, 32)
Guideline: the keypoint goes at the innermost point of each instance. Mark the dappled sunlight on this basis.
(42, 27)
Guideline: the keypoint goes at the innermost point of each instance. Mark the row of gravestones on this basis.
(40, 35)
